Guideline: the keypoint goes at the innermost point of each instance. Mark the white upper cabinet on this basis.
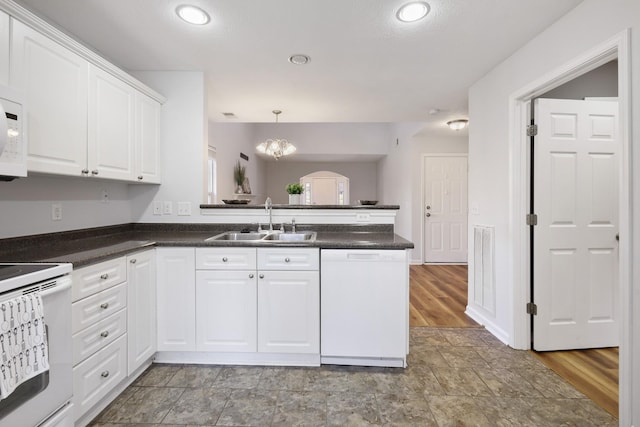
(85, 117)
(147, 156)
(111, 126)
(4, 48)
(54, 82)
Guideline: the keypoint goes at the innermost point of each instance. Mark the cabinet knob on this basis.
(287, 259)
(224, 259)
(133, 261)
(251, 276)
(94, 172)
(105, 276)
(84, 171)
(261, 276)
(104, 374)
(140, 177)
(104, 334)
(104, 305)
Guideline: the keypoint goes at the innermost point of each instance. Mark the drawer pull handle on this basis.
(85, 171)
(133, 261)
(94, 172)
(140, 177)
(251, 276)
(261, 276)
(224, 259)
(287, 259)
(104, 305)
(105, 276)
(104, 334)
(105, 374)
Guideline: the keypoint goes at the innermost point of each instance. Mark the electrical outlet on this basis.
(157, 208)
(363, 217)
(167, 208)
(105, 196)
(184, 208)
(56, 212)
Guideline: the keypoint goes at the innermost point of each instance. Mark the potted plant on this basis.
(294, 190)
(239, 174)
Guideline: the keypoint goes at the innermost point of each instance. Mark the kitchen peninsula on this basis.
(173, 293)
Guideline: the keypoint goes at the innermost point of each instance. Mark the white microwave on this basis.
(13, 142)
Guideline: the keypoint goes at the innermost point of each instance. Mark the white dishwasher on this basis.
(364, 307)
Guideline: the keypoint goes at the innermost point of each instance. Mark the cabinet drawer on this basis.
(288, 258)
(95, 377)
(101, 334)
(88, 311)
(95, 278)
(226, 259)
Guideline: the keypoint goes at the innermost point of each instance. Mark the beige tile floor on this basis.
(456, 377)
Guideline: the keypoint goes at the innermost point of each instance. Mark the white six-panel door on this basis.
(575, 249)
(445, 210)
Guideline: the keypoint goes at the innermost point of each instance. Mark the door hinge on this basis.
(532, 130)
(532, 308)
(532, 219)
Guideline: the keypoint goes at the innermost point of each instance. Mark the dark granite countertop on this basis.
(84, 247)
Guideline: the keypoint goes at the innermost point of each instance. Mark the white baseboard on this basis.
(488, 324)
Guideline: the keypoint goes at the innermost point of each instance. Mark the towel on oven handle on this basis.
(24, 351)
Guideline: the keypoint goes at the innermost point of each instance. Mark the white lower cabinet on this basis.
(264, 300)
(141, 312)
(94, 378)
(176, 299)
(288, 312)
(226, 311)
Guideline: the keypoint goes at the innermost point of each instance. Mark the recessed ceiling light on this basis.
(413, 11)
(192, 14)
(299, 59)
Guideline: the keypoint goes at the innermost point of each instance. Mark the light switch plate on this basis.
(157, 208)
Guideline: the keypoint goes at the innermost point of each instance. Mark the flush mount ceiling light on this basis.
(413, 11)
(192, 14)
(299, 59)
(458, 124)
(276, 147)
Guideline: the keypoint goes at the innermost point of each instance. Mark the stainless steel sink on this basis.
(292, 237)
(237, 235)
(309, 236)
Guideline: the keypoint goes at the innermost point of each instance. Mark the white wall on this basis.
(395, 185)
(25, 204)
(421, 144)
(588, 25)
(231, 139)
(363, 177)
(183, 143)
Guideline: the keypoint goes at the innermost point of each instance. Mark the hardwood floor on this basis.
(438, 297)
(594, 372)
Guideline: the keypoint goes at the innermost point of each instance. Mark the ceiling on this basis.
(366, 66)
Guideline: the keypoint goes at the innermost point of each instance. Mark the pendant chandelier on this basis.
(276, 147)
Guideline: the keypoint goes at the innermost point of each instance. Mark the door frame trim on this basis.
(422, 205)
(616, 47)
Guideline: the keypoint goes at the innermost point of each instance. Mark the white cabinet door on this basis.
(288, 312)
(4, 48)
(54, 81)
(111, 126)
(147, 144)
(226, 311)
(176, 289)
(141, 315)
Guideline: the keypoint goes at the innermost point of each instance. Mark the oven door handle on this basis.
(64, 283)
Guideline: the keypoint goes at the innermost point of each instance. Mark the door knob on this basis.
(428, 214)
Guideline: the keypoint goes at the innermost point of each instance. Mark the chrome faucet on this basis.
(268, 206)
(293, 225)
